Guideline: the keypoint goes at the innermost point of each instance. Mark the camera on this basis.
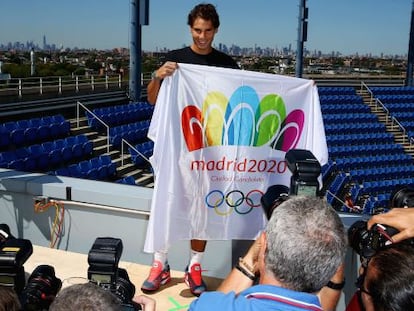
(103, 270)
(367, 242)
(402, 197)
(13, 254)
(42, 285)
(41, 289)
(305, 169)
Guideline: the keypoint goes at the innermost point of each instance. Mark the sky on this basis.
(348, 26)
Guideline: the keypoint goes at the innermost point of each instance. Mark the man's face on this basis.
(203, 34)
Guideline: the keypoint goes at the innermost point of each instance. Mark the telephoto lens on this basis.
(41, 289)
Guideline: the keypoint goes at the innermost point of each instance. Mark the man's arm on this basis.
(156, 79)
(329, 295)
(245, 272)
(152, 90)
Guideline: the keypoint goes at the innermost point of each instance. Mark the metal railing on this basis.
(132, 147)
(59, 84)
(379, 105)
(80, 105)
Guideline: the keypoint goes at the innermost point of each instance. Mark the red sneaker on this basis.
(194, 280)
(158, 276)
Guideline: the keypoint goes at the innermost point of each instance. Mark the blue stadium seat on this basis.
(106, 161)
(74, 171)
(54, 154)
(42, 158)
(64, 171)
(87, 170)
(129, 180)
(66, 151)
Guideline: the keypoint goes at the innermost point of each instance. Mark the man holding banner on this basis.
(204, 23)
(220, 137)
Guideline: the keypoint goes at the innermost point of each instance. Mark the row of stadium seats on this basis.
(144, 149)
(392, 90)
(335, 108)
(407, 98)
(360, 138)
(340, 99)
(403, 116)
(354, 128)
(347, 163)
(120, 114)
(383, 186)
(349, 117)
(97, 168)
(400, 107)
(40, 157)
(132, 132)
(24, 132)
(336, 90)
(128, 180)
(358, 150)
(380, 173)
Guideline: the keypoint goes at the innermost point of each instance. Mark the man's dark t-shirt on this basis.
(215, 58)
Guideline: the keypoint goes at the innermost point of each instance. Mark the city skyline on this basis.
(234, 49)
(349, 26)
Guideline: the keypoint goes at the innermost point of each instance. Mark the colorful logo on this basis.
(242, 120)
(225, 203)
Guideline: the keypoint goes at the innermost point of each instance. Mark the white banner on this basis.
(220, 137)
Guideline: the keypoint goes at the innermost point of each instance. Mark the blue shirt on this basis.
(258, 297)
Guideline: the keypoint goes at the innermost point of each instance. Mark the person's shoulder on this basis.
(209, 300)
(225, 59)
(176, 55)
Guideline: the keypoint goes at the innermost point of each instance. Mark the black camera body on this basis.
(305, 169)
(103, 260)
(42, 285)
(13, 254)
(367, 242)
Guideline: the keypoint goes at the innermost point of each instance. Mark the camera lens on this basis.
(273, 197)
(41, 289)
(357, 234)
(125, 289)
(402, 197)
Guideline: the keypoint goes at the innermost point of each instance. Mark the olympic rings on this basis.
(234, 201)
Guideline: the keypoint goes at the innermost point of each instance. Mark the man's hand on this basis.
(401, 219)
(166, 70)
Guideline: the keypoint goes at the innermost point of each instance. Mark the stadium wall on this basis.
(95, 209)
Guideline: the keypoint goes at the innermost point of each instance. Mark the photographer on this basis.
(8, 299)
(387, 283)
(91, 297)
(300, 250)
(386, 250)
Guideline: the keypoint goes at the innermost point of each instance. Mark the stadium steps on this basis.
(391, 127)
(143, 176)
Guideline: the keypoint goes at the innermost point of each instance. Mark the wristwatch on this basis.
(336, 286)
(154, 75)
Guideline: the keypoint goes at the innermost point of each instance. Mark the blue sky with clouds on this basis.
(348, 26)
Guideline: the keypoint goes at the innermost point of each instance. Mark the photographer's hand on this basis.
(401, 219)
(147, 303)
